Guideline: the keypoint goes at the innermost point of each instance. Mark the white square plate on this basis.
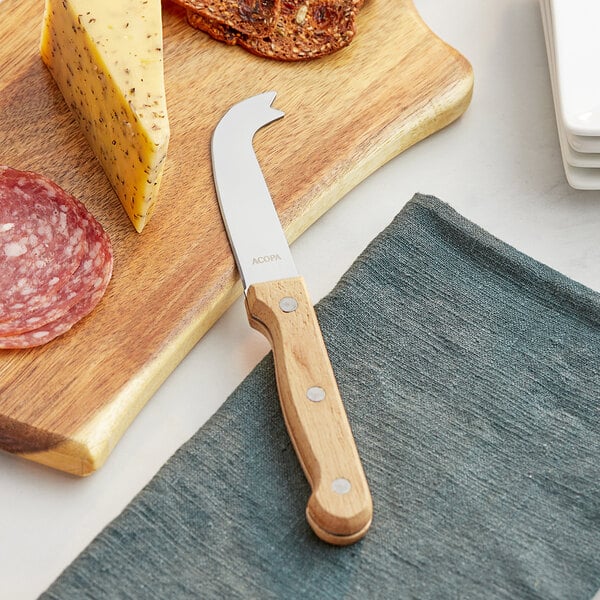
(572, 46)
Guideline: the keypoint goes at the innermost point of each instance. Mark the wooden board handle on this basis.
(340, 508)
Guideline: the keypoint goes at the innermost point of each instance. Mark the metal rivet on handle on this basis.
(315, 393)
(288, 304)
(341, 486)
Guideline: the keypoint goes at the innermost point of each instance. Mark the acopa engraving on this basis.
(259, 260)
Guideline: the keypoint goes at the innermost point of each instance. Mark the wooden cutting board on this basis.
(67, 404)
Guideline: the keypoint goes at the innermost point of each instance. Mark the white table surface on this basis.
(499, 165)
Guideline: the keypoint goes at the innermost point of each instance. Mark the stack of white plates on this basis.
(573, 44)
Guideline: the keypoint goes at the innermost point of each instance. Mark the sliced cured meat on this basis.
(99, 261)
(41, 241)
(80, 286)
(87, 275)
(304, 29)
(250, 17)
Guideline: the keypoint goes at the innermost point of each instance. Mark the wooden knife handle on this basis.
(340, 508)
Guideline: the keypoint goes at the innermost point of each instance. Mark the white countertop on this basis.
(499, 165)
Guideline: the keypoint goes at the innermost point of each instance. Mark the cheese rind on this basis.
(107, 60)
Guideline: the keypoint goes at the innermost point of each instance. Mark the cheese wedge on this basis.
(107, 60)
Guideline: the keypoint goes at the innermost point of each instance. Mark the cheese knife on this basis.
(278, 305)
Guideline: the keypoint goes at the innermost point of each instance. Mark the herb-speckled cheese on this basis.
(107, 60)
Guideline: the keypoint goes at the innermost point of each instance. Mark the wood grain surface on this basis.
(67, 404)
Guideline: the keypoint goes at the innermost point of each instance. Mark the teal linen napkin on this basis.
(471, 378)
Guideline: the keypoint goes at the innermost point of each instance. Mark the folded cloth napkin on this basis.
(471, 378)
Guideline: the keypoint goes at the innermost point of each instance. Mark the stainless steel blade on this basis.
(258, 241)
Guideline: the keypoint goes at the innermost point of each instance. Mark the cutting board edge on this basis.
(459, 98)
(91, 446)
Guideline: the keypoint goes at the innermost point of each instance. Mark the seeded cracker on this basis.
(303, 30)
(250, 17)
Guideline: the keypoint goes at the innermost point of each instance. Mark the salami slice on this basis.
(62, 304)
(41, 241)
(58, 303)
(89, 284)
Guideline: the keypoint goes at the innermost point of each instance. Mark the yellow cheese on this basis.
(107, 59)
